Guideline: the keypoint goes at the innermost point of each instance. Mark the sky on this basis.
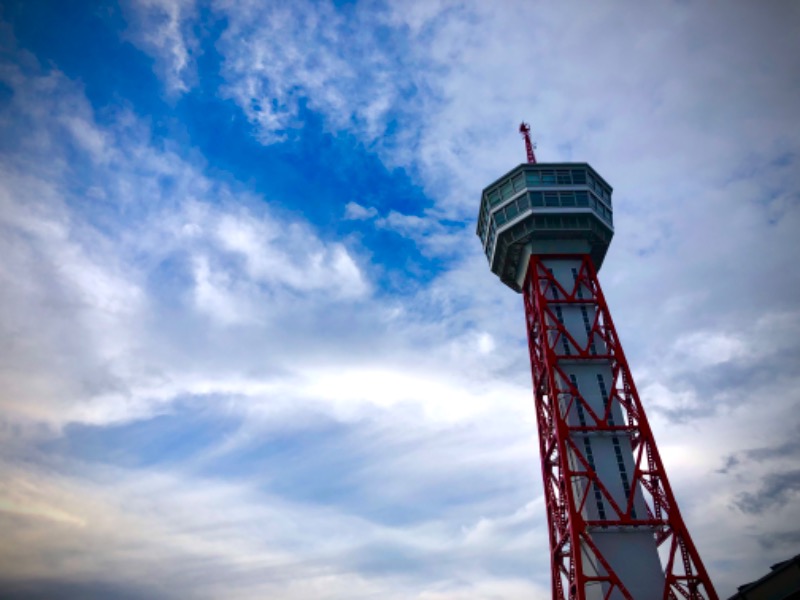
(251, 347)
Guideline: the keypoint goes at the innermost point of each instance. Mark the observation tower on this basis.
(614, 525)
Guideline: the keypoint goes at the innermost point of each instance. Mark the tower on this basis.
(614, 525)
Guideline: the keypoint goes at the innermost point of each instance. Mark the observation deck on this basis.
(544, 208)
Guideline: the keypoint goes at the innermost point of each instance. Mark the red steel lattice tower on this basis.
(614, 525)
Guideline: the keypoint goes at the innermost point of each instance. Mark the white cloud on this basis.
(81, 304)
(236, 539)
(270, 252)
(277, 55)
(162, 28)
(706, 348)
(202, 296)
(355, 212)
(213, 295)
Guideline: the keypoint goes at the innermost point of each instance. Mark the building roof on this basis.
(781, 583)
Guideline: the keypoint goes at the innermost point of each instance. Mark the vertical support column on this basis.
(609, 503)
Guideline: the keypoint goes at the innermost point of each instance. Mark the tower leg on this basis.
(611, 512)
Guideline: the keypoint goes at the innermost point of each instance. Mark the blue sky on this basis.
(252, 348)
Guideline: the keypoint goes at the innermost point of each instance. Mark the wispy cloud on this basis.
(354, 211)
(96, 260)
(206, 391)
(164, 29)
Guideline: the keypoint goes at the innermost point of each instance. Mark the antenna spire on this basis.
(525, 130)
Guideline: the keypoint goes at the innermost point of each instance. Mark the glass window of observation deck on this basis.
(506, 190)
(578, 176)
(532, 177)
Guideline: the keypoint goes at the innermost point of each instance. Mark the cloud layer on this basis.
(208, 385)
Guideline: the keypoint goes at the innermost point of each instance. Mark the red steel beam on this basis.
(569, 531)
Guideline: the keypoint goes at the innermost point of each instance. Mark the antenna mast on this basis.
(525, 130)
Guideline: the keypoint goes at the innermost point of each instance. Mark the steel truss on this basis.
(570, 531)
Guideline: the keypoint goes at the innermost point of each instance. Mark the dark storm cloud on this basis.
(790, 540)
(55, 589)
(720, 388)
(789, 449)
(776, 490)
(733, 382)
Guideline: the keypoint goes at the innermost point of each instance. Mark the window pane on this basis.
(506, 191)
(548, 177)
(536, 199)
(519, 183)
(533, 178)
(550, 199)
(578, 176)
(563, 177)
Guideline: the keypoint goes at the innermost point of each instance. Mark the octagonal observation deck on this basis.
(544, 208)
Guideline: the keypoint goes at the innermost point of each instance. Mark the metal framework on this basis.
(567, 473)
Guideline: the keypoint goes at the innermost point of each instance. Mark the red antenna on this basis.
(525, 130)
